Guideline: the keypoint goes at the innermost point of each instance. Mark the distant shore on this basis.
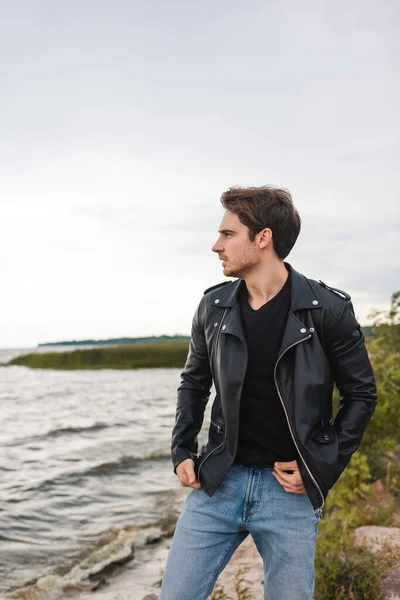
(138, 356)
(159, 339)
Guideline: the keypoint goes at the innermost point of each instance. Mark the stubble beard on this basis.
(242, 266)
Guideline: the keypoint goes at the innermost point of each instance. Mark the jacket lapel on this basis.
(233, 323)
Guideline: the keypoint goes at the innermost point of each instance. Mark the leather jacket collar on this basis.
(302, 295)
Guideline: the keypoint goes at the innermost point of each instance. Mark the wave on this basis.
(61, 431)
(124, 462)
(106, 468)
(73, 430)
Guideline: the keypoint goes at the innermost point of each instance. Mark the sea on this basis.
(85, 472)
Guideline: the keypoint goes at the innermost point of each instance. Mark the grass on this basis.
(171, 354)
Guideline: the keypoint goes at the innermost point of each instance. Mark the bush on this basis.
(380, 442)
(345, 571)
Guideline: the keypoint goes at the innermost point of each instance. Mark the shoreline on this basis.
(140, 581)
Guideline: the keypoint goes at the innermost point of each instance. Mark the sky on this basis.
(123, 122)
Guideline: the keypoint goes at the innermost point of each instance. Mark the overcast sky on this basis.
(122, 123)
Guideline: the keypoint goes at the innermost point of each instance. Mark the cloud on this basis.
(354, 254)
(119, 136)
(193, 217)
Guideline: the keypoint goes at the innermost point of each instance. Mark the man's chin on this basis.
(230, 272)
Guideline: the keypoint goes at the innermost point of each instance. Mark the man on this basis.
(273, 342)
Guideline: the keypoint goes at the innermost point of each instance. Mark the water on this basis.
(85, 466)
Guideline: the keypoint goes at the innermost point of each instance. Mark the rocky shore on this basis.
(142, 581)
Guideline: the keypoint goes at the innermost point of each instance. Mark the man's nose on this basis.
(217, 247)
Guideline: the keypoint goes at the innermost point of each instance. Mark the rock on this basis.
(100, 582)
(113, 565)
(391, 585)
(376, 539)
(153, 539)
(150, 597)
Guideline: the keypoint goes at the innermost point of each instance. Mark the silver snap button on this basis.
(315, 301)
(312, 329)
(326, 437)
(302, 330)
(215, 324)
(224, 327)
(216, 301)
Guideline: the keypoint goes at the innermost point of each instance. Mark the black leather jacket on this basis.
(321, 344)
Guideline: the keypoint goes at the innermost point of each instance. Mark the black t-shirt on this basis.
(264, 435)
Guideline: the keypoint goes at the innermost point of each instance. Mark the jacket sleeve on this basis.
(193, 392)
(354, 378)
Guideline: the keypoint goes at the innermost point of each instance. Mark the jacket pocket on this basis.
(325, 448)
(218, 426)
(325, 434)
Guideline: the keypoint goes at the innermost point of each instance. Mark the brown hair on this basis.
(266, 206)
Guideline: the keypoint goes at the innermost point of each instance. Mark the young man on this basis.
(273, 342)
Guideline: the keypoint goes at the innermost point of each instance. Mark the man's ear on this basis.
(265, 237)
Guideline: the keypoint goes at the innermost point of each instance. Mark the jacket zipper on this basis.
(205, 458)
(219, 427)
(319, 510)
(219, 331)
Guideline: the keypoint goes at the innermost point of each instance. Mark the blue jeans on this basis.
(248, 500)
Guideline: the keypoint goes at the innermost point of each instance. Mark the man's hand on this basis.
(291, 482)
(186, 474)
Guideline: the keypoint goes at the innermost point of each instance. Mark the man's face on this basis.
(234, 247)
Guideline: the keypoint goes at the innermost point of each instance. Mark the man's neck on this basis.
(265, 283)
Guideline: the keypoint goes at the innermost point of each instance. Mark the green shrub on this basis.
(380, 441)
(219, 593)
(242, 592)
(345, 571)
